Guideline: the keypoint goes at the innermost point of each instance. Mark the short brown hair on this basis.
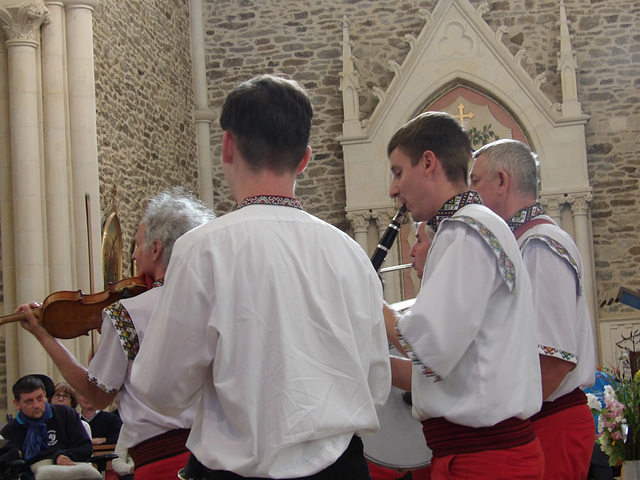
(270, 116)
(64, 387)
(440, 133)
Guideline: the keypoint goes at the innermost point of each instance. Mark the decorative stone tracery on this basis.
(456, 48)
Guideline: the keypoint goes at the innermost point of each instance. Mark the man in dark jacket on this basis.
(43, 431)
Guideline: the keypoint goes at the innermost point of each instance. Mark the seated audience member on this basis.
(42, 431)
(66, 395)
(105, 426)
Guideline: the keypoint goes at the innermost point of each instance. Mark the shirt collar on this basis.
(270, 200)
(525, 214)
(452, 205)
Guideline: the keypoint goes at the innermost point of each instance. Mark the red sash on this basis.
(571, 399)
(161, 446)
(447, 438)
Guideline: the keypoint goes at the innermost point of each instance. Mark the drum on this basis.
(399, 444)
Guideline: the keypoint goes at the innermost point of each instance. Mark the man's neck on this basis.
(514, 206)
(267, 183)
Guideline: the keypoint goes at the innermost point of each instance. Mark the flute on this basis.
(388, 238)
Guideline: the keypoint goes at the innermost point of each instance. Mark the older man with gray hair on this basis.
(505, 175)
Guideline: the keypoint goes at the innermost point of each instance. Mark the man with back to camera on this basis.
(273, 316)
(473, 367)
(155, 442)
(42, 431)
(505, 175)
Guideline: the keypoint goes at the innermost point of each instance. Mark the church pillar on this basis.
(203, 115)
(553, 206)
(85, 199)
(56, 150)
(56, 158)
(82, 127)
(579, 203)
(391, 282)
(360, 224)
(22, 26)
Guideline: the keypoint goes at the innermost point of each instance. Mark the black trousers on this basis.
(351, 465)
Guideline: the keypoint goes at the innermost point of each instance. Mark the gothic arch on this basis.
(455, 48)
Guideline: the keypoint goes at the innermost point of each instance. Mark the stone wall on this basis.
(145, 104)
(301, 39)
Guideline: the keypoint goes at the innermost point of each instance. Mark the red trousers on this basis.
(567, 438)
(518, 463)
(166, 469)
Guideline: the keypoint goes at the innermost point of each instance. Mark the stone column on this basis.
(579, 203)
(83, 139)
(56, 150)
(56, 158)
(553, 206)
(203, 116)
(22, 26)
(360, 223)
(10, 331)
(391, 282)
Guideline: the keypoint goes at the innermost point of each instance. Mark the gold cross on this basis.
(461, 115)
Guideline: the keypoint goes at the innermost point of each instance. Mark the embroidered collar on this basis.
(523, 216)
(158, 283)
(452, 206)
(270, 200)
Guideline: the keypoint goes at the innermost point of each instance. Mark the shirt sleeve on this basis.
(108, 368)
(448, 312)
(554, 285)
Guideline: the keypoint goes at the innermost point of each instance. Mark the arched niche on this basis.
(457, 55)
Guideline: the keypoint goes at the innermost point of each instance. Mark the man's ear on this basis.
(429, 161)
(503, 182)
(15, 403)
(227, 147)
(305, 161)
(157, 249)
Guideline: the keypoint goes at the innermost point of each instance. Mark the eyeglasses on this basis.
(61, 395)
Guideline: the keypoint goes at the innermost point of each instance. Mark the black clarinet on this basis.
(387, 239)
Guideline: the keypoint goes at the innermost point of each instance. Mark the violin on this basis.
(68, 314)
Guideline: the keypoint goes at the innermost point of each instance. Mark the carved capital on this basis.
(553, 203)
(383, 217)
(579, 202)
(23, 23)
(359, 221)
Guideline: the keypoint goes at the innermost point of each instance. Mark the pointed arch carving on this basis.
(457, 55)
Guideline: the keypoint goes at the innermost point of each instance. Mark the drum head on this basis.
(400, 443)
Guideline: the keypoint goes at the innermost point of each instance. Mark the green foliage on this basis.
(482, 137)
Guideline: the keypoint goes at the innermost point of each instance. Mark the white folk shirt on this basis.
(110, 369)
(471, 332)
(564, 326)
(274, 317)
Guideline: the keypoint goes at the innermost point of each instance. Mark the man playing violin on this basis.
(270, 315)
(168, 215)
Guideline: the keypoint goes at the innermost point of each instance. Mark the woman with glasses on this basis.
(66, 395)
